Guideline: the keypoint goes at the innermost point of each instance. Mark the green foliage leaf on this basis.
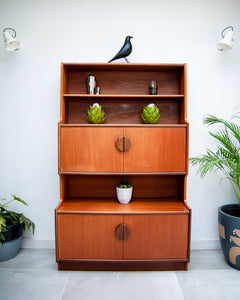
(226, 157)
(124, 184)
(8, 217)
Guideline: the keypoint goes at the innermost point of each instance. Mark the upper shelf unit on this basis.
(124, 91)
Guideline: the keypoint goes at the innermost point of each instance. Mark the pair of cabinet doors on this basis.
(122, 149)
(146, 237)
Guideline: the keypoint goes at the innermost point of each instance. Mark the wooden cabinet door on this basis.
(88, 236)
(156, 237)
(90, 149)
(156, 149)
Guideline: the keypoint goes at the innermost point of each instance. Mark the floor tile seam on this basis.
(65, 285)
(180, 286)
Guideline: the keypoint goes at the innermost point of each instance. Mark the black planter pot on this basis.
(11, 245)
(229, 233)
(13, 232)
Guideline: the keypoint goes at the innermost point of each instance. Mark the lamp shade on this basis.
(226, 42)
(11, 42)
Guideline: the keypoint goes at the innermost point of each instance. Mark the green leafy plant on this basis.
(95, 114)
(8, 217)
(125, 184)
(150, 114)
(226, 157)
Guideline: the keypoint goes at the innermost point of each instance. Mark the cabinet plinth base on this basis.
(126, 265)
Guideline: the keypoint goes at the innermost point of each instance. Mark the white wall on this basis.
(54, 31)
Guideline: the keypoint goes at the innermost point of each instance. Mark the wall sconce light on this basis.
(227, 38)
(11, 43)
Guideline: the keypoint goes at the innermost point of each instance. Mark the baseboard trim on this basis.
(50, 244)
(123, 265)
(37, 244)
(205, 244)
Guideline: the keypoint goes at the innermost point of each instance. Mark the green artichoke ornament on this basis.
(150, 114)
(95, 114)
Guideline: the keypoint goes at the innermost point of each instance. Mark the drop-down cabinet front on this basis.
(127, 149)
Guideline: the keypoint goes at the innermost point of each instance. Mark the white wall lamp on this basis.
(11, 43)
(227, 38)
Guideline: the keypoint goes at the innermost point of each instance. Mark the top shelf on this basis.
(140, 67)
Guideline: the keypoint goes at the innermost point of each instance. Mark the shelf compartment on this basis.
(127, 79)
(124, 110)
(150, 187)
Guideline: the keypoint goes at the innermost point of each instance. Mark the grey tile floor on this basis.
(33, 275)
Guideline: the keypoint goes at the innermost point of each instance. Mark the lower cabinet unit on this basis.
(125, 241)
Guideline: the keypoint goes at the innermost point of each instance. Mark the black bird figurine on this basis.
(125, 50)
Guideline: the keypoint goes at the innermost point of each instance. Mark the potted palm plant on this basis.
(226, 159)
(124, 191)
(12, 225)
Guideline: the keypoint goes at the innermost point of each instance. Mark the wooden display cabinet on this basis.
(93, 230)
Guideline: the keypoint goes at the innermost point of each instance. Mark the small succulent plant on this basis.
(150, 114)
(125, 184)
(95, 114)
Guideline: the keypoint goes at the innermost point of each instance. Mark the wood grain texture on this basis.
(123, 110)
(147, 187)
(90, 149)
(112, 206)
(156, 237)
(93, 149)
(124, 82)
(155, 150)
(89, 237)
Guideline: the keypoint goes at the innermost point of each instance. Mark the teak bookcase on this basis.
(93, 230)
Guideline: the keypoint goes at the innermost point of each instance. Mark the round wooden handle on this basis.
(122, 231)
(123, 144)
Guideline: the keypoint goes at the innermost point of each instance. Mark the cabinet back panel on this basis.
(124, 111)
(97, 186)
(124, 82)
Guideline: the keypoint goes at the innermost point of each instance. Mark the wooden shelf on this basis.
(127, 125)
(121, 96)
(143, 67)
(111, 206)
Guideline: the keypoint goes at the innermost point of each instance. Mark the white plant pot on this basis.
(124, 195)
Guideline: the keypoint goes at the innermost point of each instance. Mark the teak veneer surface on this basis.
(93, 149)
(149, 236)
(111, 206)
(156, 236)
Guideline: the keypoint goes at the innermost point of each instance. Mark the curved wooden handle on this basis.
(122, 231)
(123, 144)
